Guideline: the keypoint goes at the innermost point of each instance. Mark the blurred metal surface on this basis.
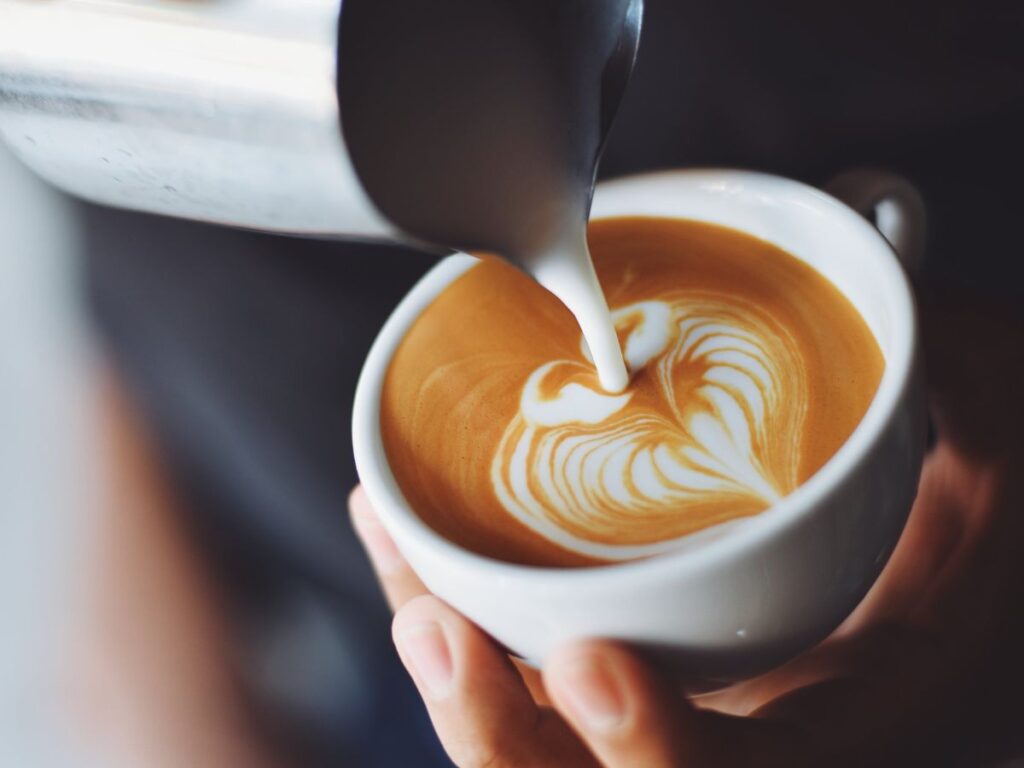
(462, 123)
(46, 473)
(220, 110)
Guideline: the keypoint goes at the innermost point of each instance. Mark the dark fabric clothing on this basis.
(244, 349)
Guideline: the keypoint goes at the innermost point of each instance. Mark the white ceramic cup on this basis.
(737, 599)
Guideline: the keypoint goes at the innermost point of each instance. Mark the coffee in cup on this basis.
(749, 370)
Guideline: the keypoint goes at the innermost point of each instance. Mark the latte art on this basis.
(614, 477)
(748, 371)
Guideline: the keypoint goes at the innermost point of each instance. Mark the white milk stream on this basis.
(568, 273)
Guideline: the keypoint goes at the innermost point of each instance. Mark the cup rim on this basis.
(401, 520)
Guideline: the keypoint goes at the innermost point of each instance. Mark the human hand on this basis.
(923, 672)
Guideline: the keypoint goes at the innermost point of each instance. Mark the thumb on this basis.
(623, 713)
(627, 716)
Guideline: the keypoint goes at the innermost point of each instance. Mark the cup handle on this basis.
(893, 204)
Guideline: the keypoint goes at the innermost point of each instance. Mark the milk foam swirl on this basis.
(715, 428)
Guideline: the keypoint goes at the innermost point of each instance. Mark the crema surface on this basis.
(749, 370)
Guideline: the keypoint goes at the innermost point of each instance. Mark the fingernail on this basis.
(379, 545)
(426, 651)
(592, 694)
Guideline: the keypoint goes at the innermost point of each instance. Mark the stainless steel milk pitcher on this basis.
(433, 121)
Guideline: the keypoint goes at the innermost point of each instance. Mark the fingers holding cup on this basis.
(397, 579)
(480, 706)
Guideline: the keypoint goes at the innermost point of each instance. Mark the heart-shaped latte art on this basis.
(711, 431)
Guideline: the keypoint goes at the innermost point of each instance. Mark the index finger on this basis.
(396, 578)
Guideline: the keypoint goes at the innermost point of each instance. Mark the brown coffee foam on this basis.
(650, 457)
(454, 385)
